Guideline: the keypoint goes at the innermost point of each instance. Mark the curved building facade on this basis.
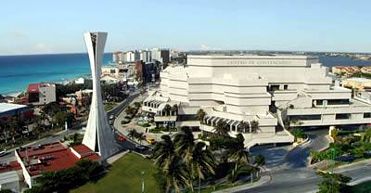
(275, 91)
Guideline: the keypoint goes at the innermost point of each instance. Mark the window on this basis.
(274, 87)
(319, 102)
(366, 115)
(343, 116)
(305, 117)
(338, 102)
(285, 87)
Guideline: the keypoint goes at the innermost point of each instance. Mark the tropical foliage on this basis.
(65, 180)
(333, 183)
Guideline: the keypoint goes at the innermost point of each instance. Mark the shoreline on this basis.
(15, 93)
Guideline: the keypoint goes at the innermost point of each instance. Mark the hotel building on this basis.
(276, 92)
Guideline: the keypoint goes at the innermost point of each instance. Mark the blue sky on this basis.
(45, 26)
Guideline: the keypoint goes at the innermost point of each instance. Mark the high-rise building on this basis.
(145, 55)
(98, 135)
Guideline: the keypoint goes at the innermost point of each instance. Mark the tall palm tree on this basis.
(140, 137)
(254, 126)
(167, 109)
(174, 109)
(163, 152)
(184, 142)
(176, 175)
(202, 163)
(221, 128)
(132, 133)
(243, 127)
(239, 155)
(200, 115)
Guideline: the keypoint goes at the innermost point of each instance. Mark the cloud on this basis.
(18, 35)
(206, 47)
(42, 48)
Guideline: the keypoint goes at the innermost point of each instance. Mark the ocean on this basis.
(16, 72)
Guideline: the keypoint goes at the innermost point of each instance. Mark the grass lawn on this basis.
(109, 106)
(125, 176)
(364, 187)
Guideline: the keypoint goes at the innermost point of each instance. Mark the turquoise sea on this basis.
(16, 72)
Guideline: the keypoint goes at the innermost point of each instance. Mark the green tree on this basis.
(140, 137)
(200, 115)
(298, 133)
(167, 109)
(254, 126)
(333, 183)
(221, 128)
(259, 160)
(201, 164)
(132, 133)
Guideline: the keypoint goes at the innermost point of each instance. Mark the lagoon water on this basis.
(16, 72)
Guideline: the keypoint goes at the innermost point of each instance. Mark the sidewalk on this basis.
(263, 179)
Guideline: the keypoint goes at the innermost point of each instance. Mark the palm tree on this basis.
(140, 137)
(239, 155)
(163, 152)
(202, 163)
(167, 109)
(174, 109)
(176, 175)
(243, 126)
(132, 133)
(221, 128)
(200, 115)
(184, 142)
(254, 126)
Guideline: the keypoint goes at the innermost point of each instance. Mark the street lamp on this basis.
(142, 181)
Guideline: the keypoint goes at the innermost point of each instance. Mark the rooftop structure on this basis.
(277, 92)
(41, 93)
(360, 84)
(49, 158)
(8, 110)
(99, 135)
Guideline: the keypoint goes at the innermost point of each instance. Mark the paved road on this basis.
(289, 172)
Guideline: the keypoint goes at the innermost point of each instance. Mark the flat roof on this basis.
(4, 107)
(50, 157)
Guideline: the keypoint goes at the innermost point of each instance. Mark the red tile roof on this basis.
(50, 157)
(12, 166)
(86, 152)
(33, 87)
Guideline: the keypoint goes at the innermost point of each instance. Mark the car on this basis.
(151, 140)
(2, 153)
(111, 117)
(121, 138)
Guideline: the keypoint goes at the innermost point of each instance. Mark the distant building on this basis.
(118, 57)
(345, 70)
(41, 93)
(360, 84)
(161, 55)
(145, 55)
(132, 56)
(51, 157)
(8, 111)
(80, 80)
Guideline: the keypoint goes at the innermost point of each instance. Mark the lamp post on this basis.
(142, 181)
